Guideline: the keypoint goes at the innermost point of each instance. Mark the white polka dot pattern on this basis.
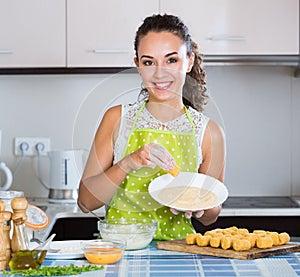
(132, 198)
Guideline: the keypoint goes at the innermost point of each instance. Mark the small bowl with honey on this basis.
(103, 251)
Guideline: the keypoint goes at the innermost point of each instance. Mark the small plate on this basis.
(181, 192)
(69, 249)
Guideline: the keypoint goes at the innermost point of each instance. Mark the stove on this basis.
(254, 202)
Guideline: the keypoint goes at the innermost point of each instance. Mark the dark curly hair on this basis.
(194, 89)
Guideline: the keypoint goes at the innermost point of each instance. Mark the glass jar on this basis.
(19, 239)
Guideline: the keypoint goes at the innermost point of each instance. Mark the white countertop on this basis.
(56, 211)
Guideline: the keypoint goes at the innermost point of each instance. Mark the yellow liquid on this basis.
(25, 259)
(104, 256)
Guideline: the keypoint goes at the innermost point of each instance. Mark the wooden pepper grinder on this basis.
(6, 231)
(19, 206)
(7, 227)
(3, 263)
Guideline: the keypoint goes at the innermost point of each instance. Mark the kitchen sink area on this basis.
(67, 220)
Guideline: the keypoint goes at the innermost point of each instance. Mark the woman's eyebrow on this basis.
(167, 55)
(170, 54)
(146, 56)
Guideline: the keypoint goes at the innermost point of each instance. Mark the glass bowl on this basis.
(137, 233)
(103, 251)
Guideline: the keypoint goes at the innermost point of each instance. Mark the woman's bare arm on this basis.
(101, 178)
(214, 161)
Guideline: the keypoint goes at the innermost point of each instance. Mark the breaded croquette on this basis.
(226, 242)
(274, 236)
(259, 232)
(239, 239)
(264, 242)
(241, 244)
(252, 238)
(284, 238)
(215, 241)
(243, 231)
(203, 240)
(191, 238)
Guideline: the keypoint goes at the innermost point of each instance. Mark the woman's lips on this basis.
(162, 85)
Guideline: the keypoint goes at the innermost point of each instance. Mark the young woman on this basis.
(138, 142)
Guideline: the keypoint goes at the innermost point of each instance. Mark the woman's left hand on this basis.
(188, 214)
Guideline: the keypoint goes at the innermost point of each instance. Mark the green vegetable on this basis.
(54, 270)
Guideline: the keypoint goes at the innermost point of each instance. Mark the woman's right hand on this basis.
(150, 155)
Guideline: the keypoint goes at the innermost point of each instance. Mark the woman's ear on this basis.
(136, 61)
(191, 62)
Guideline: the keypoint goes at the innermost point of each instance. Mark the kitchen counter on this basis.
(60, 210)
(157, 263)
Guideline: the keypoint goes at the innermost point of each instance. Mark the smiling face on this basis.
(163, 63)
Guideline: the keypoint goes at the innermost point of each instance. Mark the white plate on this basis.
(69, 249)
(188, 180)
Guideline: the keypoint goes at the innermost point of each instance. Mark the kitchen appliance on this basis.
(8, 176)
(66, 167)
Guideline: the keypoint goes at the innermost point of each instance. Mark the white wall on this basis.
(257, 106)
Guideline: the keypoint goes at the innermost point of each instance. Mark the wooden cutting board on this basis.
(255, 253)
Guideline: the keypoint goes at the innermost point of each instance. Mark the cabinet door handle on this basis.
(6, 51)
(109, 51)
(227, 38)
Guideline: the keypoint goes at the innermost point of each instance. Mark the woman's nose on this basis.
(159, 71)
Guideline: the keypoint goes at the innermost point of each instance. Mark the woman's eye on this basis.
(147, 63)
(172, 60)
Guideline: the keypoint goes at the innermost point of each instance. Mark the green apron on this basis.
(132, 199)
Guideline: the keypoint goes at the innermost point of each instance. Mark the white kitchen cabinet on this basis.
(32, 33)
(240, 27)
(101, 33)
(98, 33)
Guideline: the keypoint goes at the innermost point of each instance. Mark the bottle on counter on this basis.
(19, 239)
(22, 257)
(25, 258)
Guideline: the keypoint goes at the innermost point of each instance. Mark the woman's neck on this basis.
(165, 112)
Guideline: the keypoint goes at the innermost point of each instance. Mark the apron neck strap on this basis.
(138, 115)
